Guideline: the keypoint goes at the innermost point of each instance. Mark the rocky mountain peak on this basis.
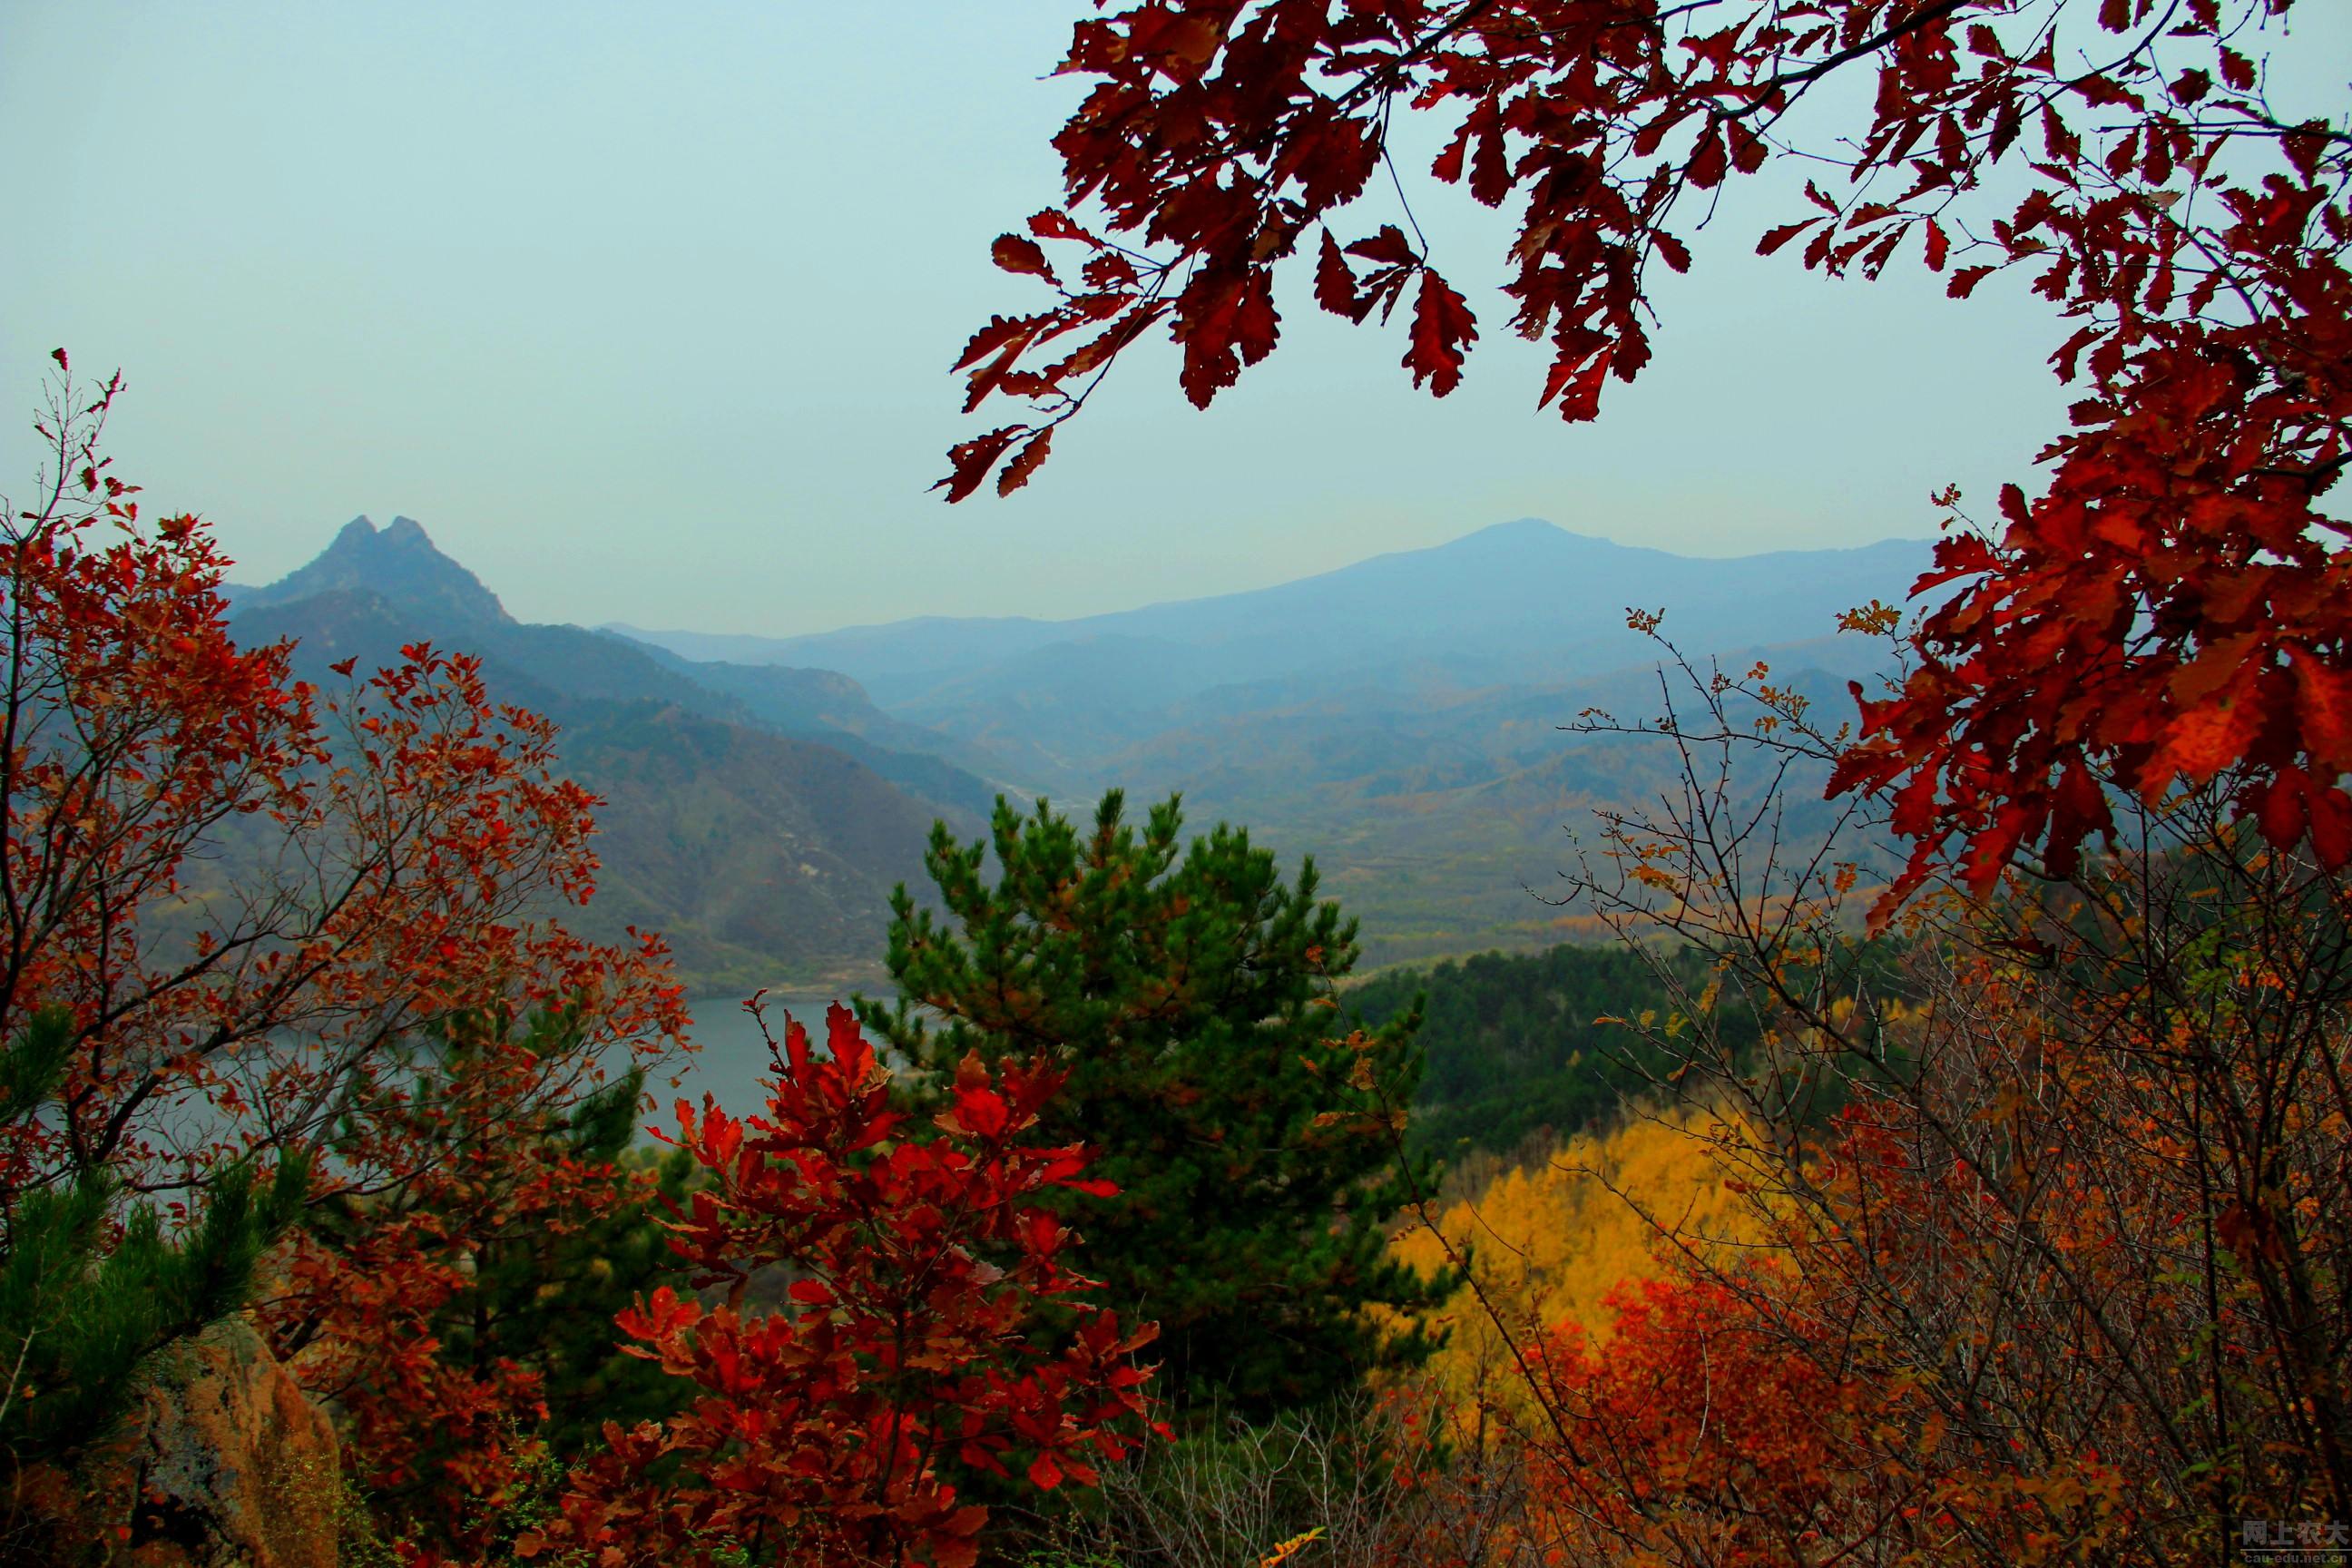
(399, 564)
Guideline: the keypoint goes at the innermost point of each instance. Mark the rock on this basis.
(227, 1465)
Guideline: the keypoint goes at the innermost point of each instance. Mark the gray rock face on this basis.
(226, 1466)
(398, 563)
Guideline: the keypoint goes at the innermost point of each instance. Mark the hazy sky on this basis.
(646, 312)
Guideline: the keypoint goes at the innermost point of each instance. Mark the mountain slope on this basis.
(1518, 602)
(761, 858)
(1400, 719)
(398, 562)
(737, 821)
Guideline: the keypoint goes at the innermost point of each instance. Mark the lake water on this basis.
(732, 1057)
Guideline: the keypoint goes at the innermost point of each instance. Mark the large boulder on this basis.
(226, 1465)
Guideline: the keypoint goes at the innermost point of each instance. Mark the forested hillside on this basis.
(1525, 1049)
(759, 818)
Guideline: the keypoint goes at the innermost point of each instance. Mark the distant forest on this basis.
(1521, 1047)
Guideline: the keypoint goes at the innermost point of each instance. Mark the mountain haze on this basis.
(1497, 604)
(746, 817)
(1398, 719)
(1521, 605)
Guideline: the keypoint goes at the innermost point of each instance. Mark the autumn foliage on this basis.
(398, 843)
(2003, 1214)
(2168, 608)
(1695, 1430)
(908, 1351)
(2047, 1192)
(247, 901)
(2043, 1179)
(248, 924)
(394, 1300)
(1550, 1246)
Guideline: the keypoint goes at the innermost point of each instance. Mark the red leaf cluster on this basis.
(471, 1167)
(251, 896)
(929, 1327)
(2173, 607)
(1709, 1429)
(1694, 1410)
(2176, 607)
(243, 890)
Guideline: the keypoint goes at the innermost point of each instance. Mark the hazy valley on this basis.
(1400, 719)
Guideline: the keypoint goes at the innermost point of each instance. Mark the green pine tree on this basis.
(1187, 993)
(544, 1286)
(93, 1290)
(546, 1298)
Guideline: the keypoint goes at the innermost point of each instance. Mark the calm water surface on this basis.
(732, 1057)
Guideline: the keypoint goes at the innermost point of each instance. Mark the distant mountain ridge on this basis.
(369, 591)
(1482, 607)
(397, 563)
(1399, 719)
(1523, 605)
(747, 815)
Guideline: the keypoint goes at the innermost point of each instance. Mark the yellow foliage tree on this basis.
(1547, 1244)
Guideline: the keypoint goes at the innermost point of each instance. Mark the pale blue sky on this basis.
(645, 312)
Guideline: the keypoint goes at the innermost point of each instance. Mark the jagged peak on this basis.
(398, 562)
